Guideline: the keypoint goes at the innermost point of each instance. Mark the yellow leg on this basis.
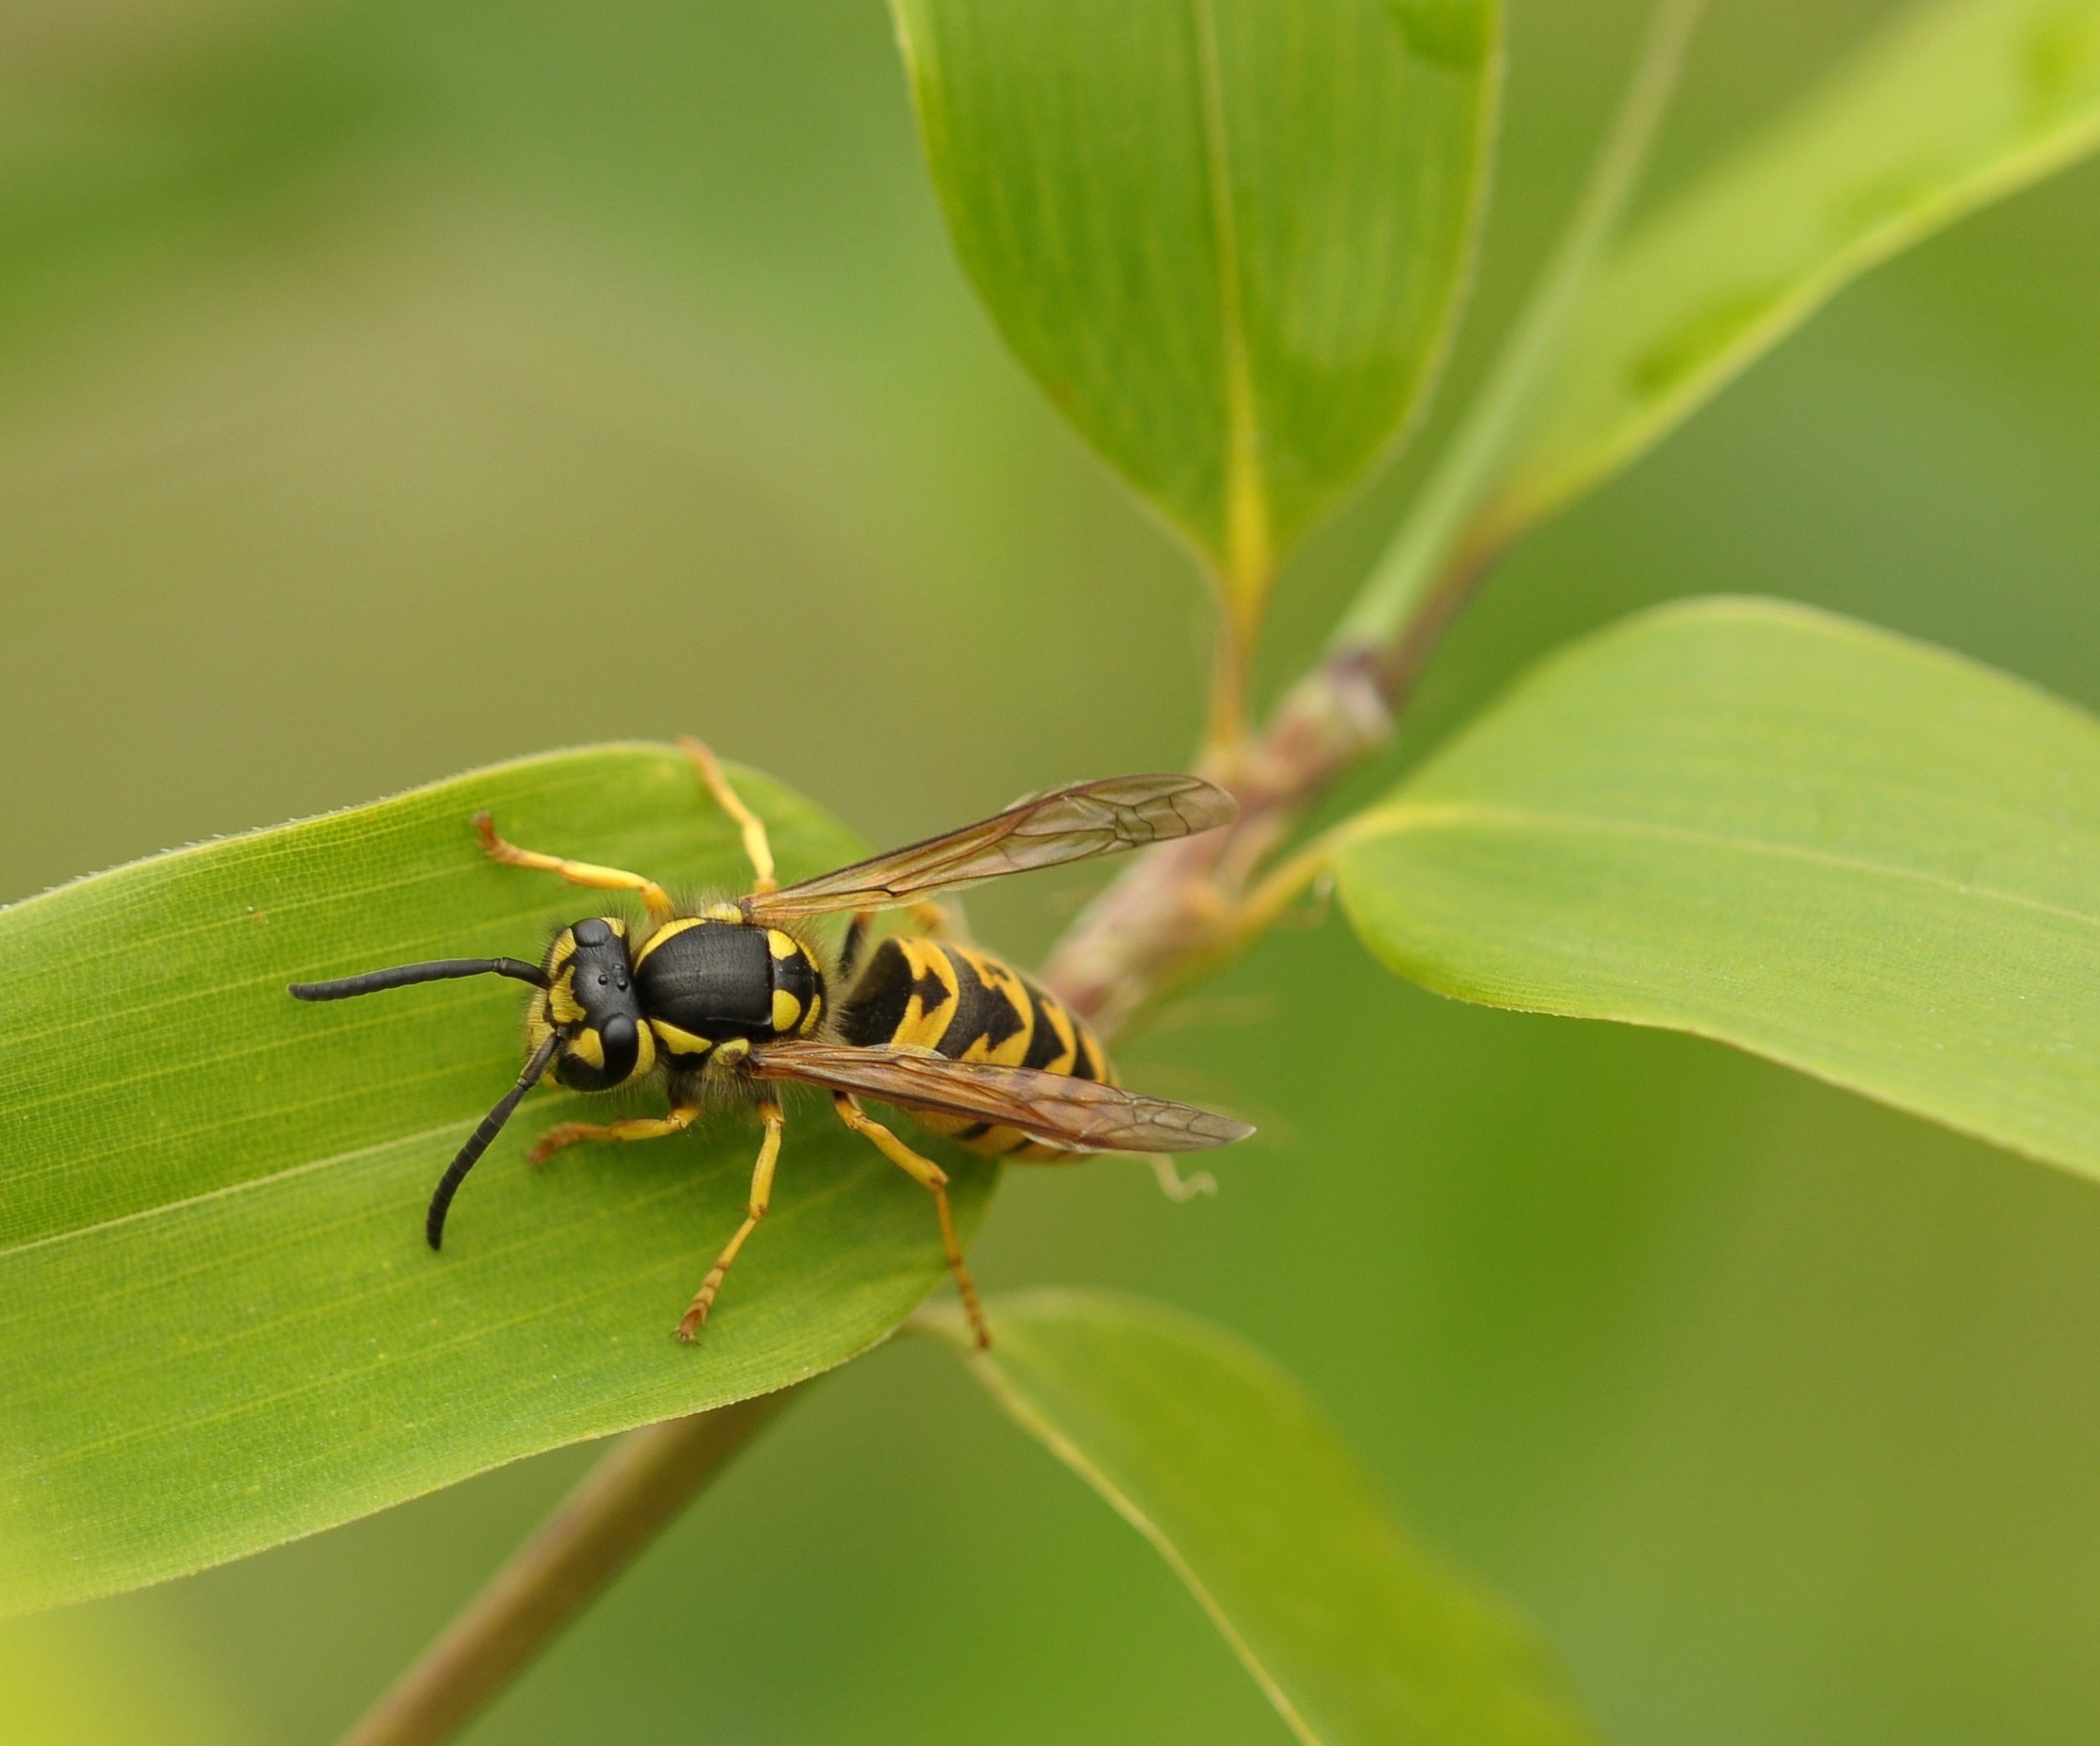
(757, 845)
(930, 1175)
(761, 1190)
(643, 1127)
(576, 872)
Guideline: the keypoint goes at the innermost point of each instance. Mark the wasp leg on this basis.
(641, 1127)
(930, 1175)
(854, 943)
(582, 873)
(762, 1190)
(757, 845)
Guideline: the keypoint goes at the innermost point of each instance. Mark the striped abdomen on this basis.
(966, 1005)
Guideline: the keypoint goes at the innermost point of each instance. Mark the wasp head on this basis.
(591, 1004)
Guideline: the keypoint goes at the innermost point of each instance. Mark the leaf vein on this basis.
(1408, 816)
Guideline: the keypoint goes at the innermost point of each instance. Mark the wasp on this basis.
(737, 996)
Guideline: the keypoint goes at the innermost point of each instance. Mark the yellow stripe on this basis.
(680, 1042)
(666, 931)
(1102, 1069)
(816, 1010)
(561, 998)
(1064, 1027)
(919, 1026)
(588, 1047)
(1007, 987)
(998, 1142)
(645, 1054)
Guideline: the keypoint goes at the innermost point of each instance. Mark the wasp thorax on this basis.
(711, 979)
(590, 1002)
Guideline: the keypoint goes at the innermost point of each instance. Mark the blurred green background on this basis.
(385, 389)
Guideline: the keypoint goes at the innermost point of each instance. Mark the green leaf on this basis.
(1225, 236)
(1354, 1631)
(1866, 858)
(219, 1325)
(1961, 102)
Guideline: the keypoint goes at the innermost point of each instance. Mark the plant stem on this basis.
(1224, 734)
(1441, 523)
(622, 1504)
(1184, 906)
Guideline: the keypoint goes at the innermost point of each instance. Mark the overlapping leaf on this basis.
(1354, 1631)
(1225, 236)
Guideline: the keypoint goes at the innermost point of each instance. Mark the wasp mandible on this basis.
(737, 995)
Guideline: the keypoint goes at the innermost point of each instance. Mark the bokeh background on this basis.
(389, 388)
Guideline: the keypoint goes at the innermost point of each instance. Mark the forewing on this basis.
(1082, 1113)
(1068, 824)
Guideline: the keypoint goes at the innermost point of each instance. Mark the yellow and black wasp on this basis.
(735, 994)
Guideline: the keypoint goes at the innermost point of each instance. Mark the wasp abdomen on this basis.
(968, 1006)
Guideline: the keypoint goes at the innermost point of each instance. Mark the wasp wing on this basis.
(1082, 1113)
(1068, 824)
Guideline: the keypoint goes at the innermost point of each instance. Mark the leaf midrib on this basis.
(225, 1190)
(1245, 534)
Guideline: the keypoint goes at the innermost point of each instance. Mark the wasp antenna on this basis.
(401, 975)
(477, 1143)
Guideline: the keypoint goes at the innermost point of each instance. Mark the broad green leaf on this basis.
(1225, 236)
(1961, 102)
(1866, 858)
(219, 1325)
(1354, 1631)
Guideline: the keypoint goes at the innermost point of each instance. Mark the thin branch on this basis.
(623, 1503)
(1437, 525)
(1181, 908)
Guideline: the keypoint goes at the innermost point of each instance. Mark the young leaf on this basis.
(1225, 236)
(1961, 102)
(1859, 855)
(219, 1326)
(1353, 1631)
